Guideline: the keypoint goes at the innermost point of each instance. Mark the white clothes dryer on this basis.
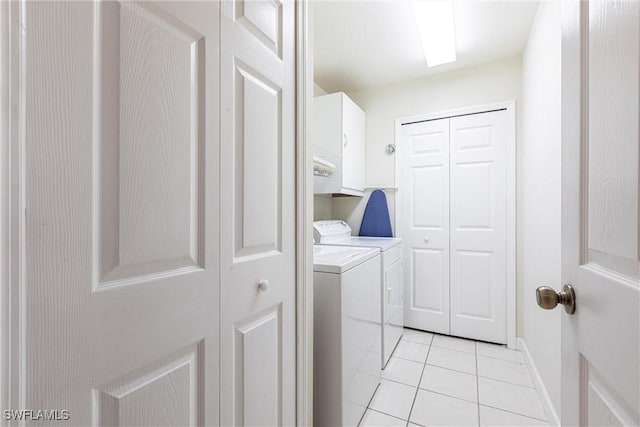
(338, 233)
(346, 330)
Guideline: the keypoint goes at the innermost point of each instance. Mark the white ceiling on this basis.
(362, 44)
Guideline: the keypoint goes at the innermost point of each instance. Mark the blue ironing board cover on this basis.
(376, 221)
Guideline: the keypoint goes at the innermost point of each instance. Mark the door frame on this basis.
(510, 107)
(5, 240)
(304, 217)
(12, 204)
(573, 128)
(12, 180)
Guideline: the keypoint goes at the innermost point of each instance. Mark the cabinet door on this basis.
(353, 128)
(326, 126)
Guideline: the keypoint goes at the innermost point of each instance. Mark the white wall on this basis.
(497, 81)
(539, 193)
(484, 84)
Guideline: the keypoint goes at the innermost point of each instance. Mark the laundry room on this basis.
(329, 213)
(436, 140)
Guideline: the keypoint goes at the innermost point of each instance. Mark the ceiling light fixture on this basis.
(434, 19)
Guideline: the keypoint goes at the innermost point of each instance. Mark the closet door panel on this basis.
(425, 224)
(478, 178)
(257, 235)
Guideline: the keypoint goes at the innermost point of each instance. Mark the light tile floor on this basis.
(436, 380)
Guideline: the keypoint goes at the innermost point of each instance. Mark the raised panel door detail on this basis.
(148, 143)
(258, 366)
(602, 407)
(612, 188)
(257, 221)
(427, 268)
(600, 160)
(165, 395)
(428, 199)
(119, 132)
(474, 199)
(474, 138)
(263, 18)
(258, 139)
(479, 221)
(424, 194)
(427, 143)
(473, 293)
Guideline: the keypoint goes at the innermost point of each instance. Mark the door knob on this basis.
(263, 285)
(426, 240)
(548, 298)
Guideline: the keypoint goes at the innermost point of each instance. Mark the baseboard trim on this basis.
(545, 399)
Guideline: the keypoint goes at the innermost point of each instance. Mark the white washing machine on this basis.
(338, 233)
(346, 313)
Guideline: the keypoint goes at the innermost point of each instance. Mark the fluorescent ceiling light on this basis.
(434, 19)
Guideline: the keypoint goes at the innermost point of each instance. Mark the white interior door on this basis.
(257, 224)
(119, 290)
(478, 215)
(600, 221)
(425, 224)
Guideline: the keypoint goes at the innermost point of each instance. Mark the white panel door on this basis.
(120, 273)
(478, 215)
(425, 224)
(257, 224)
(600, 218)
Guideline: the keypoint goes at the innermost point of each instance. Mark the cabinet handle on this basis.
(346, 140)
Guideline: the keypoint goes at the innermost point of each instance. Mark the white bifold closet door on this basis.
(425, 224)
(454, 204)
(157, 212)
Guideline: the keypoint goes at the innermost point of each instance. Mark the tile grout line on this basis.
(383, 413)
(481, 355)
(449, 396)
(430, 345)
(424, 366)
(506, 382)
(516, 413)
(410, 360)
(397, 382)
(451, 369)
(503, 360)
(369, 404)
(452, 349)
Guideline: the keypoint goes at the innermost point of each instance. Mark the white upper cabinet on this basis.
(339, 137)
